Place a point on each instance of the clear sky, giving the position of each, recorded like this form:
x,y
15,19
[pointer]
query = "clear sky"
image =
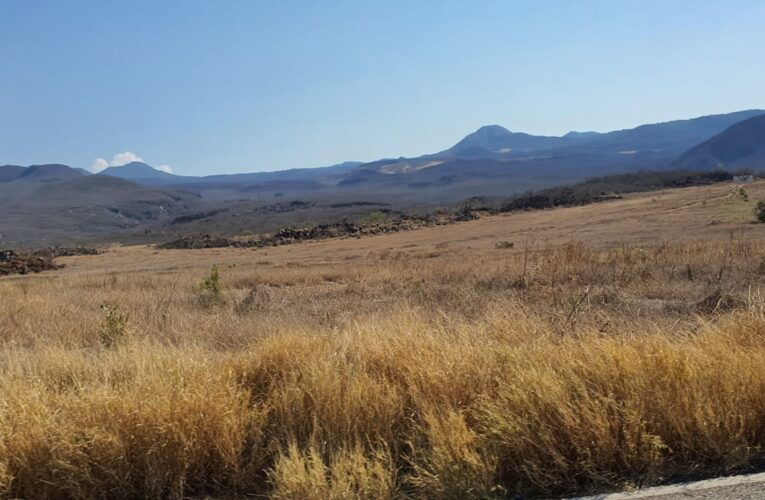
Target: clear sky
x,y
234,86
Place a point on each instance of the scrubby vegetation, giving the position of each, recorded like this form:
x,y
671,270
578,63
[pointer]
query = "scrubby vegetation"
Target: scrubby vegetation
x,y
374,225
600,189
207,291
539,371
12,262
114,326
759,211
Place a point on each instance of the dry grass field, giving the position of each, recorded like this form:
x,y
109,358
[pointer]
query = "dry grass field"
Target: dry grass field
x,y
613,345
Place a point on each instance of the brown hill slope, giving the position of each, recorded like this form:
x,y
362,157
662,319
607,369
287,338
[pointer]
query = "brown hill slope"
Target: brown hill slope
x,y
708,212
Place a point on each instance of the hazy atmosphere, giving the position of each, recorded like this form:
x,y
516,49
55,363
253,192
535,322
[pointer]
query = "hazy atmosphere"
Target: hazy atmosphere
x,y
240,86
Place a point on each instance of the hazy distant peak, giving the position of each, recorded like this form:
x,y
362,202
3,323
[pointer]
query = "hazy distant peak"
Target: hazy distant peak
x,y
136,170
496,139
492,130
135,165
581,135
485,137
49,171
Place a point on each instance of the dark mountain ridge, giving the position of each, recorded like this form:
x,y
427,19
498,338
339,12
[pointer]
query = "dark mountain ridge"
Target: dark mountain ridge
x,y
48,173
489,152
676,135
741,146
10,172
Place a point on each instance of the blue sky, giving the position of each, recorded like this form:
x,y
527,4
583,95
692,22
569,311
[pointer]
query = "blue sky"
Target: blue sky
x,y
235,86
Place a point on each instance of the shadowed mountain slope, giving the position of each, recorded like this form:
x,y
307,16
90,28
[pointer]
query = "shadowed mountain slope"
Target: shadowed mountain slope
x,y
740,146
71,209
10,172
48,173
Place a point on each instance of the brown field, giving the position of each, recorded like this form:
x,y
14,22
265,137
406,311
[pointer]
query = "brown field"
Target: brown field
x,y
614,345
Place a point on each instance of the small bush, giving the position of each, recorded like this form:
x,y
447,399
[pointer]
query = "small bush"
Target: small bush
x,y
759,211
114,326
465,213
376,217
504,244
207,291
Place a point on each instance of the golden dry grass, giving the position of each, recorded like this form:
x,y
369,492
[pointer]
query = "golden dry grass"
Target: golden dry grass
x,y
543,371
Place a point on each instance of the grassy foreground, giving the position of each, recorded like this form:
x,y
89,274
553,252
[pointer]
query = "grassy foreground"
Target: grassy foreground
x,y
543,372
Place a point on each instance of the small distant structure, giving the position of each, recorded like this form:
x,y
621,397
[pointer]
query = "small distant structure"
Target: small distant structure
x,y
743,179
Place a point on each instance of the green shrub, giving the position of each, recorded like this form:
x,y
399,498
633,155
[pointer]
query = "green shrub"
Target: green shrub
x,y
376,217
114,326
208,290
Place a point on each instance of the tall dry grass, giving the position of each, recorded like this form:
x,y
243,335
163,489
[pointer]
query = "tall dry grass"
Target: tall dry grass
x,y
546,372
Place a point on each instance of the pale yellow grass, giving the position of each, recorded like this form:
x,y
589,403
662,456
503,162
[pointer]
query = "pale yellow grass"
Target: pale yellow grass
x,y
551,371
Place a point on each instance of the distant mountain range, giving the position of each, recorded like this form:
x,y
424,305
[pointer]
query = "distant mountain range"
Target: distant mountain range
x,y
487,151
668,138
493,156
492,161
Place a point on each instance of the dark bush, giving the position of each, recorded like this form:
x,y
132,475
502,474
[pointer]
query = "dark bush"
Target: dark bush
x,y
759,211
